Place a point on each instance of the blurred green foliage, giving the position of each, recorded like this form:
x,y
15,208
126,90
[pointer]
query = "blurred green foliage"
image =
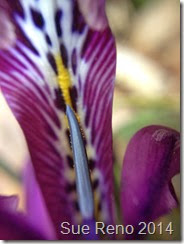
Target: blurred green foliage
x,y
150,116
139,3
9,171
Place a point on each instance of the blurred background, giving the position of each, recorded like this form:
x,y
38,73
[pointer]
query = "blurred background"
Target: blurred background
x,y
147,90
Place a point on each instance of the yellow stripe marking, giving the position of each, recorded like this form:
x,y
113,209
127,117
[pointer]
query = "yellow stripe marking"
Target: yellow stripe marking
x,y
64,80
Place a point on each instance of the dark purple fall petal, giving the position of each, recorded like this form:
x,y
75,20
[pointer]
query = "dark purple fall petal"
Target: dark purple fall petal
x,y
43,32
14,226
151,160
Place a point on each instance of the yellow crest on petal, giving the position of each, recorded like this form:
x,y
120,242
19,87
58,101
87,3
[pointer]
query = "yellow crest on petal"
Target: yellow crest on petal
x,y
64,80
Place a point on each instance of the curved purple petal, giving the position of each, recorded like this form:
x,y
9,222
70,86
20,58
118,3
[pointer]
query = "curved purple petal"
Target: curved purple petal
x,y
57,59
16,227
35,205
151,160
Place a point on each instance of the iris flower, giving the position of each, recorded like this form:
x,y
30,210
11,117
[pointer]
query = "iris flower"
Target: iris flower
x,y
58,57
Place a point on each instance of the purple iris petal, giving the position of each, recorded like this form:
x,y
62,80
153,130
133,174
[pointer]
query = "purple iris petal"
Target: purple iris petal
x,y
44,35
35,205
14,226
58,53
151,160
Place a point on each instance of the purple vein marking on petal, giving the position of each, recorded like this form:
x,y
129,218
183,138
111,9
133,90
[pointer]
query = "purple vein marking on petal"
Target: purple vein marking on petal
x,y
98,71
59,100
78,23
31,92
13,58
17,7
39,113
21,50
103,87
94,58
64,55
11,63
49,146
70,162
26,95
37,18
99,54
74,60
101,104
74,96
7,64
103,132
48,40
92,38
79,83
58,17
52,62
8,56
15,12
23,38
